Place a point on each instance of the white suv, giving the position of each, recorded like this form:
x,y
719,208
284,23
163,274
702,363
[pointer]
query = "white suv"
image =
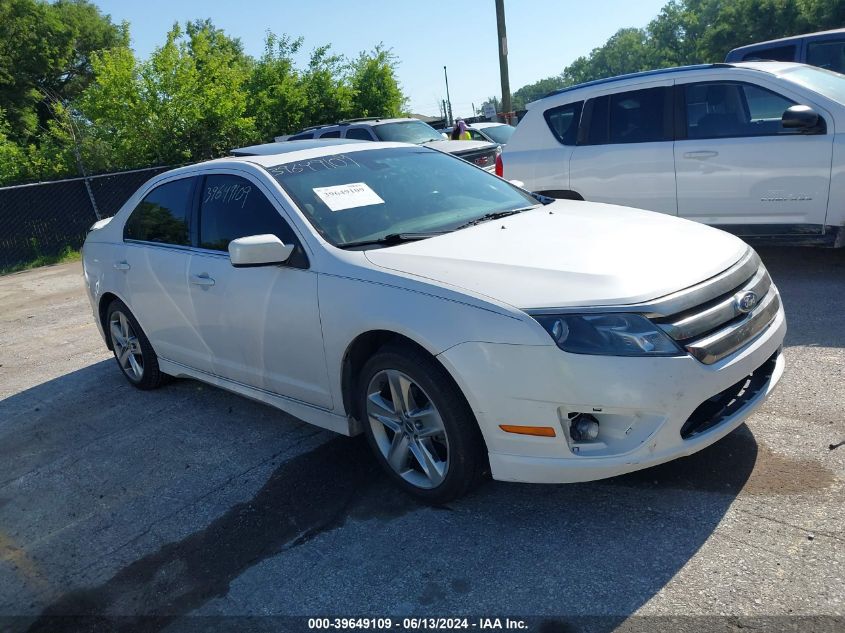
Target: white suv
x,y
753,148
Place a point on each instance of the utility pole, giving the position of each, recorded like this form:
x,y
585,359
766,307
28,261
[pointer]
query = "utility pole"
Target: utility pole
x,y
448,99
503,58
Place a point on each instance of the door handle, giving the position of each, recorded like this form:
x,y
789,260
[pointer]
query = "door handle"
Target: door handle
x,y
122,266
701,155
202,280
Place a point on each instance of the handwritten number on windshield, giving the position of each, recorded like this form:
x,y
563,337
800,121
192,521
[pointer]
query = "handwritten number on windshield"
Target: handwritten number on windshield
x,y
310,166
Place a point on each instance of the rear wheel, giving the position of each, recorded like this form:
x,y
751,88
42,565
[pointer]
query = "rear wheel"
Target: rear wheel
x,y
419,425
132,349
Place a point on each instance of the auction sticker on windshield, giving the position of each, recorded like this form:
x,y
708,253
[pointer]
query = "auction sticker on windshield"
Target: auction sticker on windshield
x,y
349,196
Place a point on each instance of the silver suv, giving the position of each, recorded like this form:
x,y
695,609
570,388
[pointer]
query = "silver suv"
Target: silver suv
x,y
403,130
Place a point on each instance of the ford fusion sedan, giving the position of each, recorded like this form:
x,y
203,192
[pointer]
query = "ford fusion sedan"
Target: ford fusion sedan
x,y
464,327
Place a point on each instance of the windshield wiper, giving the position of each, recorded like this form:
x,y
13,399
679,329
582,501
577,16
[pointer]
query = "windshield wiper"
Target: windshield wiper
x,y
391,239
494,216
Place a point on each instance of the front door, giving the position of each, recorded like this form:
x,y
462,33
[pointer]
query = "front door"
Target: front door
x,y
262,323
738,166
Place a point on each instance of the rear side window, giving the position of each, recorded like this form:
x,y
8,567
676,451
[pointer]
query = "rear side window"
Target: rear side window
x,y
334,134
163,215
233,207
774,54
636,116
829,54
725,109
639,116
359,133
563,122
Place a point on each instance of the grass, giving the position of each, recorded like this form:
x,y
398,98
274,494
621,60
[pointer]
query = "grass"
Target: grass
x,y
68,254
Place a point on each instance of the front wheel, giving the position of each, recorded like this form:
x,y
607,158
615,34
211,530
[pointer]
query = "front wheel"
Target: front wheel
x,y
419,425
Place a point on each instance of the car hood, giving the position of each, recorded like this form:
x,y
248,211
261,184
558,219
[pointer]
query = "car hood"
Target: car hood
x,y
459,147
570,253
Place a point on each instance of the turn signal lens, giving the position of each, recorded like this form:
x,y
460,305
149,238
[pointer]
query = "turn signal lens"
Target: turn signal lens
x,y
542,431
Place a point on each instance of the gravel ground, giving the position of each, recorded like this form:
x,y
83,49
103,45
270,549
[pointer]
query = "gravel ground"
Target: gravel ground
x,y
189,501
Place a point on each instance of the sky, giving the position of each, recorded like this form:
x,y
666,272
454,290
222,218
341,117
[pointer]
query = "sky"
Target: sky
x,y
544,36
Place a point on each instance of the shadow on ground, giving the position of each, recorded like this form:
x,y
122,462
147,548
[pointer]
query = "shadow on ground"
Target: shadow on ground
x,y
324,533
506,548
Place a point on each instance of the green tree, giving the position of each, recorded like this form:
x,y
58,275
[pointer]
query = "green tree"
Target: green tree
x,y
376,90
276,97
45,52
697,31
327,89
187,102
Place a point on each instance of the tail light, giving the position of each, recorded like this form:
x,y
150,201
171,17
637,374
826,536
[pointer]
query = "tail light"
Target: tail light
x,y
500,168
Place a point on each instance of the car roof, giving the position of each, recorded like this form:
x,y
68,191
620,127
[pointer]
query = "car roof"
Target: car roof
x,y
786,40
285,147
299,153
769,67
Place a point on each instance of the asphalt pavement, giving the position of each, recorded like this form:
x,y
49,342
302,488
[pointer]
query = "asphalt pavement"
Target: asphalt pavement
x,y
171,509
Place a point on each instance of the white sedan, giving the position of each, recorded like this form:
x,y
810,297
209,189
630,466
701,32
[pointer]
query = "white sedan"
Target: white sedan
x,y
462,325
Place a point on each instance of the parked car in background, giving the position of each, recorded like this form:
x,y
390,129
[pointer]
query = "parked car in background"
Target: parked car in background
x,y
825,49
403,130
395,290
491,132
757,149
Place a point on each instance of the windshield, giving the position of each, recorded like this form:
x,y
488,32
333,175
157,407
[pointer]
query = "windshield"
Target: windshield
x,y
827,83
499,133
415,132
368,195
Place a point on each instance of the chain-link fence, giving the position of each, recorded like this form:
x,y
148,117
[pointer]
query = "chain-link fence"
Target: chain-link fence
x,y
44,218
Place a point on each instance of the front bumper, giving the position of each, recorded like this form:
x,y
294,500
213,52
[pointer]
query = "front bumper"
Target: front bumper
x,y
641,404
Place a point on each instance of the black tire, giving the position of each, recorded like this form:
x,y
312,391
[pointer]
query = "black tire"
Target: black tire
x,y
467,453
151,376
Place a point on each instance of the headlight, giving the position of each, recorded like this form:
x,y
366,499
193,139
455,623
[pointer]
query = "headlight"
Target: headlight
x,y
616,334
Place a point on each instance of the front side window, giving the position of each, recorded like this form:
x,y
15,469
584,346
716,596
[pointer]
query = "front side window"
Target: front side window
x,y
370,194
827,54
233,207
163,215
774,54
299,137
729,109
332,134
359,133
563,122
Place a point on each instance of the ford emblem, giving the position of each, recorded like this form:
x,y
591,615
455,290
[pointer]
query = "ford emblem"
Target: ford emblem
x,y
745,301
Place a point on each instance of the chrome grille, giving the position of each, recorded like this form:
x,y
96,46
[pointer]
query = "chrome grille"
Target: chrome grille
x,y
709,319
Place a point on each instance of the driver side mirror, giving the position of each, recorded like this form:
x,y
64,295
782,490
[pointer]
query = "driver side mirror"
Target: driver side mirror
x,y
804,119
258,250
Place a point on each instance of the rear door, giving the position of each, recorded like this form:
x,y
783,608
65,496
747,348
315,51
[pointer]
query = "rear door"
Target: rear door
x,y
624,153
157,240
261,324
737,165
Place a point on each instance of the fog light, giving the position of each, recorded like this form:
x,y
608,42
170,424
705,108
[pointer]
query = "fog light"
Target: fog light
x,y
583,428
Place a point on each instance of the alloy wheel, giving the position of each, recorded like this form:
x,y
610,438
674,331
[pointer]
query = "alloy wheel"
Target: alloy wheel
x,y
408,429
127,348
